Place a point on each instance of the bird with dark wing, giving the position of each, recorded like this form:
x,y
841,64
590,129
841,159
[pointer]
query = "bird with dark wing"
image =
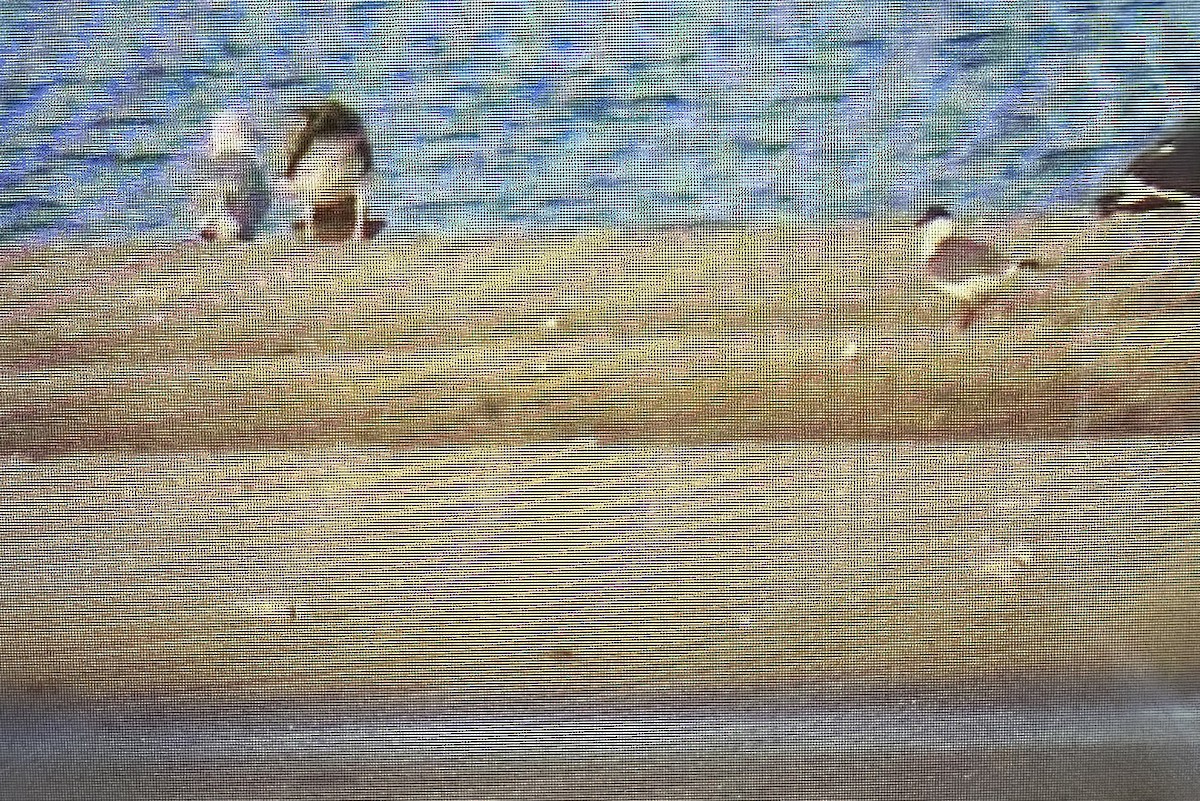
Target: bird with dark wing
x,y
1165,174
329,164
966,269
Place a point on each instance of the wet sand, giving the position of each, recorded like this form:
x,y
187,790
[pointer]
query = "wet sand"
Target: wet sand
x,y
881,751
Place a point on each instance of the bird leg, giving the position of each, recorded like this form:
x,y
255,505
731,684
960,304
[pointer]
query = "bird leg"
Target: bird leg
x,y
967,316
360,215
310,221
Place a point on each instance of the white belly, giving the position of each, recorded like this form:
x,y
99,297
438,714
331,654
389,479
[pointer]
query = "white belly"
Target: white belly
x,y
331,171
968,289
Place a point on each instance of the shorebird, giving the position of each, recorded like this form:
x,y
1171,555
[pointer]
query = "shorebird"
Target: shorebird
x,y
231,194
1165,174
329,162
966,269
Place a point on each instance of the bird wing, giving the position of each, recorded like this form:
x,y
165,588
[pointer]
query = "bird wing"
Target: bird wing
x,y
331,120
252,197
366,156
1172,163
961,259
232,184
298,146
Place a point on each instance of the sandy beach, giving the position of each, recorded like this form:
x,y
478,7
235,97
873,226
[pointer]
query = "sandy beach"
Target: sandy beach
x,y
637,456
612,471
276,441
570,620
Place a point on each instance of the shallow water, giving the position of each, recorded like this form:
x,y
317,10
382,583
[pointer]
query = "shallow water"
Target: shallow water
x,y
1092,752
579,113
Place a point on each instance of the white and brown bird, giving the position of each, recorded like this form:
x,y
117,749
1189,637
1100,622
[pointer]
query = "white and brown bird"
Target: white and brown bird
x,y
1165,174
966,269
230,194
328,170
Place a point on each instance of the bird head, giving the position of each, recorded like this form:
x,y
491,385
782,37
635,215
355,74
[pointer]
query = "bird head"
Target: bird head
x,y
229,133
329,118
933,213
934,225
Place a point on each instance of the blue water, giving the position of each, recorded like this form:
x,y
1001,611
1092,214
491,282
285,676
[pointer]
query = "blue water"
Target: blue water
x,y
577,113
